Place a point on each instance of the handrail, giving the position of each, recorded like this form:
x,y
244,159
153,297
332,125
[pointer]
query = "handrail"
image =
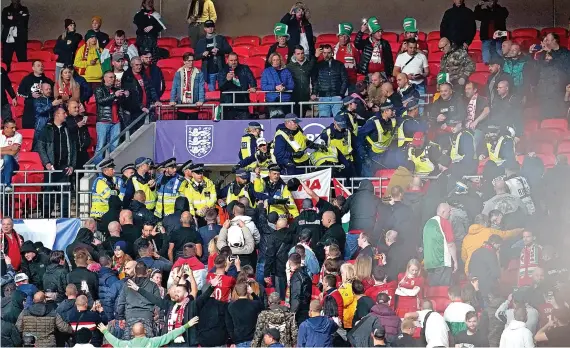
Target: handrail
x,y
176,106
291,104
54,184
244,92
126,132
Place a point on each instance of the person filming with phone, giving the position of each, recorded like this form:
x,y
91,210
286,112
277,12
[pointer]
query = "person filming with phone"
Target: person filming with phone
x,y
493,30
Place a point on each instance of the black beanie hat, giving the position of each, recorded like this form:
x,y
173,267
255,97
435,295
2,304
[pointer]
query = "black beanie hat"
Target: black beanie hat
x,y
68,22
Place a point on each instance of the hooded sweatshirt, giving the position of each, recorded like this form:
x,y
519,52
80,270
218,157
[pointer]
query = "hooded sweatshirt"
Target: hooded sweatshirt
x,y
11,307
316,332
83,239
516,335
364,207
172,221
476,236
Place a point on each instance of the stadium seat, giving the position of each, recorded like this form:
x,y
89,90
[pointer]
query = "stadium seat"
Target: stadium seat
x,y
433,35
563,147
562,32
214,95
526,41
21,66
479,78
481,67
184,42
253,62
242,51
168,73
30,157
530,127
554,123
435,57
476,55
49,44
34,45
268,39
477,35
439,303
532,32
167,42
548,160
545,148
389,36
44,56
49,65
27,139
247,40
174,63
476,45
326,38
17,76
178,52
433,46
436,291
257,71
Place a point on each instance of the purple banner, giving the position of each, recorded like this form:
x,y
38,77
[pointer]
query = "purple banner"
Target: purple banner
x,y
216,143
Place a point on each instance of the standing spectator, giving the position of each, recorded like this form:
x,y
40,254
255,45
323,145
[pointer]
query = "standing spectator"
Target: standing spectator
x,y
516,335
519,299
141,92
277,78
554,74
44,107
331,83
85,280
334,233
317,331
88,318
386,316
30,89
478,111
411,32
110,112
212,49
242,245
414,64
455,62
121,46
346,53
485,264
149,25
15,18
66,46
107,277
55,278
10,142
102,38
188,86
43,323
65,87
88,60
7,89
406,339
33,264
440,254
187,233
275,258
507,112
555,332
363,303
277,318
300,289
242,316
496,75
493,18
364,206
208,232
199,11
409,289
438,333
85,90
281,46
11,242
458,24
530,259
153,72
77,125
374,91
473,335
236,77
521,70
212,331
456,311
376,52
301,68
299,28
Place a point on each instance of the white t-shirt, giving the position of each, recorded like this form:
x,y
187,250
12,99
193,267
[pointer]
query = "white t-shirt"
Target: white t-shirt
x,y
437,332
16,139
415,66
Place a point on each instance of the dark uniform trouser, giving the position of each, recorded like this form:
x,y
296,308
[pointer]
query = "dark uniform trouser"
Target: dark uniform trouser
x,y
8,49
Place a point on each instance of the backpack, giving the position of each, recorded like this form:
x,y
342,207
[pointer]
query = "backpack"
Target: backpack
x,y
235,236
423,330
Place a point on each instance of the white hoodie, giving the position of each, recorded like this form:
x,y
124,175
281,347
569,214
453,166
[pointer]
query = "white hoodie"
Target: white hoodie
x,y
250,225
516,335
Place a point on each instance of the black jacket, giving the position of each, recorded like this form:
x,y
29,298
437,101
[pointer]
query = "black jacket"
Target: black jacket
x,y
484,264
134,103
241,318
27,87
399,220
223,48
81,135
156,78
11,337
46,146
172,222
308,219
211,328
302,75
278,245
301,289
331,79
142,20
496,14
105,97
55,279
366,47
20,18
80,274
246,80
115,205
36,268
265,231
364,207
141,214
335,234
458,25
7,88
12,306
83,239
65,47
294,31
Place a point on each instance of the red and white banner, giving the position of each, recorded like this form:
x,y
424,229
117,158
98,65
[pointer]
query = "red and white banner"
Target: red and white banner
x,y
320,182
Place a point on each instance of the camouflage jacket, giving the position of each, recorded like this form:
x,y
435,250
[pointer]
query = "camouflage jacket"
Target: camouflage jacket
x,y
457,64
279,318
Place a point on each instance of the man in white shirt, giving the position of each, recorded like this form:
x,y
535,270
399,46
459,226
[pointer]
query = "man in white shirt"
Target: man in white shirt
x,y
414,64
10,142
435,327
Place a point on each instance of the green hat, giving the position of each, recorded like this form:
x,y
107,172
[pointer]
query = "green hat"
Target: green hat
x,y
410,25
373,25
280,29
90,33
344,29
442,78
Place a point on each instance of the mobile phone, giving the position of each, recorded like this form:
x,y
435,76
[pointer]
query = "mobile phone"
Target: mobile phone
x,y
502,33
232,258
84,119
538,47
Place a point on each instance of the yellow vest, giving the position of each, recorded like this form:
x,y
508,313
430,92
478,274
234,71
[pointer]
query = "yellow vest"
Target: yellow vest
x,y
353,122
343,145
242,193
319,158
384,140
150,195
101,191
246,151
298,143
206,198
422,163
167,196
283,210
263,165
494,154
455,156
402,139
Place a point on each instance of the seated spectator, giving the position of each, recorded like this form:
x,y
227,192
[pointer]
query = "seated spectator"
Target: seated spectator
x,y
473,335
405,338
280,46
153,72
87,60
236,77
10,142
376,52
455,62
516,334
414,64
317,331
455,312
330,84
448,110
277,78
212,49
66,88
120,46
66,46
497,75
188,86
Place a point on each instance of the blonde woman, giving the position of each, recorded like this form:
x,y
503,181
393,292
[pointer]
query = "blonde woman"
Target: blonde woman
x,y
348,274
88,60
213,251
409,289
66,87
277,78
363,268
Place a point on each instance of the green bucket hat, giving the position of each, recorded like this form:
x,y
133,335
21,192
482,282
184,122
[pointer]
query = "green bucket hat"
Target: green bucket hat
x,y
442,78
280,29
373,25
344,29
410,25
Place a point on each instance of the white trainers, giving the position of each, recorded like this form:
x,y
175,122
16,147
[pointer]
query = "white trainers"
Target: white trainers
x,y
8,189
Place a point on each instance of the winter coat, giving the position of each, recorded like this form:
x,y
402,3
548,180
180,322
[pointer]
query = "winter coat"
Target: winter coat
x,y
246,80
13,306
132,304
65,309
80,274
276,317
388,318
83,239
172,222
294,31
156,79
301,74
364,207
276,256
331,79
105,98
46,146
458,25
308,219
477,235
11,337
44,108
114,292
457,63
107,277
365,45
516,335
223,46
55,279
65,47
316,332
80,135
301,289
399,220
134,102
271,78
36,268
115,206
39,321
141,215
497,15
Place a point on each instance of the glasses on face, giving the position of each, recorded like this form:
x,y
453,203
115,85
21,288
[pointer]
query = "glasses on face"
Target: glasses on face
x,y
441,48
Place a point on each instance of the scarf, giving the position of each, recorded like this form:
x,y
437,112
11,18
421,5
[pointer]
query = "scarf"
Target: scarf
x,y
187,85
113,48
176,318
348,49
529,261
86,49
471,107
376,56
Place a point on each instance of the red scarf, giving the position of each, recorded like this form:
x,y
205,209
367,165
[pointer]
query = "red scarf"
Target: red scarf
x,y
530,260
140,80
175,323
114,109
14,243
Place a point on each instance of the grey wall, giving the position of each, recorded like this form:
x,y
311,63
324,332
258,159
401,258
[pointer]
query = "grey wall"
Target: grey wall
x,y
257,17
141,145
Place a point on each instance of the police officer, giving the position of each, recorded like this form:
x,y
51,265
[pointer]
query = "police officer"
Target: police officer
x,y
340,139
424,154
103,187
308,219
375,137
248,146
201,193
348,112
186,174
241,187
143,181
127,172
410,123
167,188
499,145
290,145
274,189
263,157
463,152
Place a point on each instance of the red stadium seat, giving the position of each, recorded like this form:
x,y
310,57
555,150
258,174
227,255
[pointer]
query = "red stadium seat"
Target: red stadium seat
x,y
247,40
526,41
168,73
545,148
327,38
477,35
268,39
215,95
433,35
479,78
167,42
435,57
178,52
562,32
17,76
555,123
21,66
50,73
242,51
44,56
436,291
30,157
184,42
433,46
532,32
439,303
530,127
174,63
476,45
476,55
253,62
49,44
27,139
49,65
390,36
34,45
481,67
563,147
257,71
548,160
259,51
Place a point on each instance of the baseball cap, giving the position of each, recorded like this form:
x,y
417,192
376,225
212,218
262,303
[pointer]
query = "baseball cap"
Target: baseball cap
x,y
348,99
418,139
292,117
261,141
120,245
20,277
273,332
117,56
209,24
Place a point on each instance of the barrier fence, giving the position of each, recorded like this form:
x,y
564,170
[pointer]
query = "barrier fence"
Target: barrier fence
x,y
37,200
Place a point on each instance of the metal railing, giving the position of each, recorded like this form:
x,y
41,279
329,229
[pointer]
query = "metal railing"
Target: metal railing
x,y
83,194
29,173
290,104
184,106
313,103
352,184
310,169
27,200
248,92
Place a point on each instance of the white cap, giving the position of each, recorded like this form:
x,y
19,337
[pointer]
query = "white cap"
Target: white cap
x,y
20,277
261,141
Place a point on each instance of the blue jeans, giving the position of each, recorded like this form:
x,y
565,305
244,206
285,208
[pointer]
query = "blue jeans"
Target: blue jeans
x,y
329,110
259,268
244,344
105,133
421,88
212,78
351,245
491,47
10,166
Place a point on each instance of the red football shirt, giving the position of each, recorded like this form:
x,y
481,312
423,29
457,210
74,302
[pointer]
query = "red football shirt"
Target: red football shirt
x,y
223,291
